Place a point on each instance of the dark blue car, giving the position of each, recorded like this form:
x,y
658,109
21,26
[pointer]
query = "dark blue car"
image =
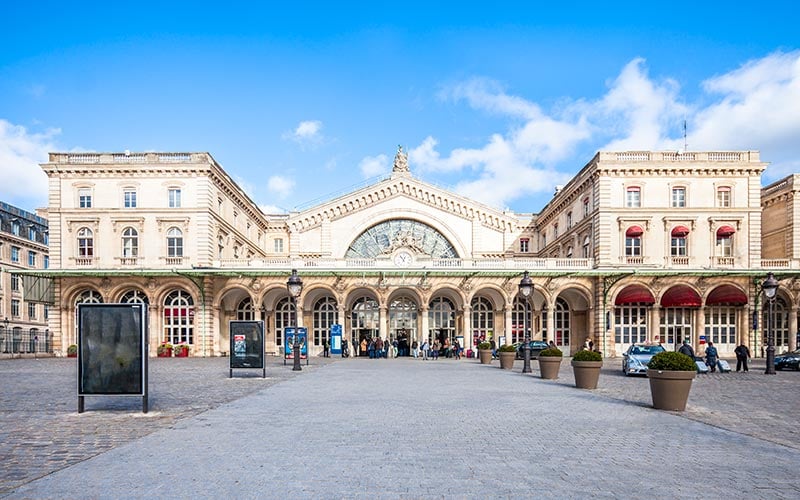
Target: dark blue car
x,y
788,360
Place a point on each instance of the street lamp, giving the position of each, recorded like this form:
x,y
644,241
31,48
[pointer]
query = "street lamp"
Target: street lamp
x,y
8,337
770,286
525,288
295,285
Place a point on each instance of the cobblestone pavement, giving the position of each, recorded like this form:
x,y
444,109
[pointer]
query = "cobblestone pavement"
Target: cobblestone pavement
x,y
394,429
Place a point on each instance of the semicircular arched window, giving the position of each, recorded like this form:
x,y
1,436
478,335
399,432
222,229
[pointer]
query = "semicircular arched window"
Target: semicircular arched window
x,y
384,238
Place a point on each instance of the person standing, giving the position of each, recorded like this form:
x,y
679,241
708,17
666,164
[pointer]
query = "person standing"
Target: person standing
x,y
326,348
711,356
415,349
742,355
686,348
425,349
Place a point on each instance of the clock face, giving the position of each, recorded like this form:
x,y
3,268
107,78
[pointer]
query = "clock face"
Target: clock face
x,y
402,259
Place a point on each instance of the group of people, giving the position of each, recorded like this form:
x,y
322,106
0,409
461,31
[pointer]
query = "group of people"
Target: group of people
x,y
712,355
432,350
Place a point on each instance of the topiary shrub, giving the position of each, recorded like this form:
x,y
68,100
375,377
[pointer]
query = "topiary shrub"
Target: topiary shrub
x,y
507,348
551,352
672,361
72,349
587,356
484,346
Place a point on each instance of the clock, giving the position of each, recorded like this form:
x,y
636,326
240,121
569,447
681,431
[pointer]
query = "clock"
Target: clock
x,y
403,259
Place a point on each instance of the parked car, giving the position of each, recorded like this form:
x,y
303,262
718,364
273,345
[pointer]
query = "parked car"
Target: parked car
x,y
788,360
537,346
634,361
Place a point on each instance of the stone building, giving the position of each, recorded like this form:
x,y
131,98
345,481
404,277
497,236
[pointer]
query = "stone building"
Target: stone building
x,y
638,246
23,246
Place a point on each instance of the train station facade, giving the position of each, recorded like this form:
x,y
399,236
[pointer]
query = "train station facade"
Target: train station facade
x,y
640,246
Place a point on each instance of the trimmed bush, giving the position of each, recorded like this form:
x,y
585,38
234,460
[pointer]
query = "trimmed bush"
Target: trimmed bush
x,y
507,348
587,356
72,349
484,346
672,361
551,352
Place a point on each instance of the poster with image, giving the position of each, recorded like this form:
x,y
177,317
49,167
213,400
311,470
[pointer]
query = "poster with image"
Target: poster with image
x,y
247,344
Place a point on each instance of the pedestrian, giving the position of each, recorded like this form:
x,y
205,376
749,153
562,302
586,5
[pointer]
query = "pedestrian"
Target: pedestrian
x,y
686,348
591,345
742,355
711,356
345,349
436,347
425,349
415,349
326,349
494,348
552,345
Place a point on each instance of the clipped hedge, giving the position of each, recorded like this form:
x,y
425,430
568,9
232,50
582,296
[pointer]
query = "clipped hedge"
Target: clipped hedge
x,y
484,346
551,352
672,361
587,356
507,348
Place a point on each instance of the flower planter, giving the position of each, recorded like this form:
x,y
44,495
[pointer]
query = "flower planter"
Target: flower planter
x,y
73,355
670,389
549,366
485,355
587,373
182,352
507,360
165,353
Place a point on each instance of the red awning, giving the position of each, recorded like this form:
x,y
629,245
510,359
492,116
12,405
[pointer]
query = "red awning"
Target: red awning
x,y
725,231
634,294
680,296
633,232
726,294
680,231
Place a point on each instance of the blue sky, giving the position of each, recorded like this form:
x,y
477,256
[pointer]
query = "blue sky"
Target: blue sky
x,y
498,101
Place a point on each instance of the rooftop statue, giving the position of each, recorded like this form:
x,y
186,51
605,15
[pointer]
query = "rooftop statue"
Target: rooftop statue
x,y
400,161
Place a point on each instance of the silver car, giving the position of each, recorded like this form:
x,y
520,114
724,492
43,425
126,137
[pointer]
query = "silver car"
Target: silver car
x,y
634,361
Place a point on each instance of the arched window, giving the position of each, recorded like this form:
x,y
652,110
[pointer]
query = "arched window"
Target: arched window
x,y
520,318
134,297
85,243
482,319
633,241
586,247
364,319
284,318
325,315
174,242
89,297
382,239
403,316
130,242
245,310
562,323
442,319
179,318
678,247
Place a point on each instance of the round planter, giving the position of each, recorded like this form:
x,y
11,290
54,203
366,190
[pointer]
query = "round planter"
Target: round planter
x,y
485,355
507,360
549,366
164,353
670,389
587,373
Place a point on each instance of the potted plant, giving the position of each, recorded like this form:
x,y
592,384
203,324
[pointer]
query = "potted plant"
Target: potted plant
x,y
72,351
671,374
507,354
181,350
550,362
586,367
485,353
164,350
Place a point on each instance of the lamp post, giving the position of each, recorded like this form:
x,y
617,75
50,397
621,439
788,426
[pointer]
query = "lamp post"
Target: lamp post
x,y
295,285
770,286
7,337
525,289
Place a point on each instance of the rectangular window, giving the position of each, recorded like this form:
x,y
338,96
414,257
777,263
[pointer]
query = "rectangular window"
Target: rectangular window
x,y
31,310
15,308
569,220
724,246
15,228
524,245
32,259
15,282
633,197
678,247
278,245
46,313
678,197
633,246
85,198
724,197
129,197
32,234
14,254
46,262
586,207
174,198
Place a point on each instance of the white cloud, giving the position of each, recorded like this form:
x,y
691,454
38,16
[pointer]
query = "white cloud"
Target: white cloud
x,y
280,186
21,152
756,106
372,166
272,209
307,133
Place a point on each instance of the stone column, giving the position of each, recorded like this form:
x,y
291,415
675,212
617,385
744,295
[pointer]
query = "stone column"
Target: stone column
x,y
424,324
383,321
654,323
507,322
551,323
793,329
467,315
700,329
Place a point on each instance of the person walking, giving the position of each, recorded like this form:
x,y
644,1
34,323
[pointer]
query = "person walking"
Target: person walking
x,y
742,355
326,349
686,348
711,357
425,349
